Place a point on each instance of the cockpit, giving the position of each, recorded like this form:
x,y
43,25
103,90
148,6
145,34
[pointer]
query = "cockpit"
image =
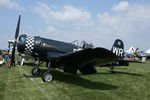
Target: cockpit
x,y
83,44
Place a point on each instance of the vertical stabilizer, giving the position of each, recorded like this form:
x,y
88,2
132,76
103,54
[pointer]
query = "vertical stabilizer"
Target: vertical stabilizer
x,y
118,48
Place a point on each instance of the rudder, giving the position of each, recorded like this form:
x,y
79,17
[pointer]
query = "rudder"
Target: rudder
x,y
118,48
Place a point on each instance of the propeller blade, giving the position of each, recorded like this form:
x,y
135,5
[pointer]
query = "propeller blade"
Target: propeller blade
x,y
132,49
12,63
8,49
137,49
18,27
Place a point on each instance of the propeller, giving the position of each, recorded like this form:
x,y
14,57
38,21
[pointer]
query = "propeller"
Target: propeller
x,y
12,63
135,51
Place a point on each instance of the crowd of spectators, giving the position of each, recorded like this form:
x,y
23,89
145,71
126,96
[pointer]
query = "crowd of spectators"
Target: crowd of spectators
x,y
4,58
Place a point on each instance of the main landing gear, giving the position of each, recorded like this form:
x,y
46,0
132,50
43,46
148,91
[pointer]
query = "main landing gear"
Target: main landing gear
x,y
36,70
47,76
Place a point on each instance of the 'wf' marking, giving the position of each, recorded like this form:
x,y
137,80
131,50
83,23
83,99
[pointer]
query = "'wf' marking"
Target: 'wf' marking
x,y
118,51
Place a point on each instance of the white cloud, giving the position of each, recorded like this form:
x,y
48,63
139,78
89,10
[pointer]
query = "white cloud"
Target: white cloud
x,y
68,14
8,4
51,29
129,22
136,19
109,21
131,25
28,27
53,6
122,6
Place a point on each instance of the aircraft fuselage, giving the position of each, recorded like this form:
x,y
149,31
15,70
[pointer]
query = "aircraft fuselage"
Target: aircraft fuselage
x,y
40,47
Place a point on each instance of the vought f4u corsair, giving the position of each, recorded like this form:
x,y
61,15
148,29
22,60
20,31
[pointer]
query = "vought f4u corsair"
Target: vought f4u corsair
x,y
68,56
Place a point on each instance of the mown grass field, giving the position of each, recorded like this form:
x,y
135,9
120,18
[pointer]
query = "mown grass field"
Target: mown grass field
x,y
128,83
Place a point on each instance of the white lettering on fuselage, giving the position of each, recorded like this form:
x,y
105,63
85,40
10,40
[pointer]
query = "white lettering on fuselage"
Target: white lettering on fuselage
x,y
118,51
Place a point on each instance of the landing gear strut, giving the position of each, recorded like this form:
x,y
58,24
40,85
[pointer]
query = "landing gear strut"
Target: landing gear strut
x,y
36,70
112,69
47,76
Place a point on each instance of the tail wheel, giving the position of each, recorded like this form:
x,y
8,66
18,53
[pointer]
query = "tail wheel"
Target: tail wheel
x,y
112,69
47,77
35,71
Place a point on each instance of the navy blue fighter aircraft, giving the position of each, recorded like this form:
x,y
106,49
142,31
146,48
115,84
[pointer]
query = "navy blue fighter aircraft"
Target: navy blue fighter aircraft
x,y
71,57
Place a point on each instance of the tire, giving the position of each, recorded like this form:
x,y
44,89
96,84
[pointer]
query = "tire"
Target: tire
x,y
35,71
47,77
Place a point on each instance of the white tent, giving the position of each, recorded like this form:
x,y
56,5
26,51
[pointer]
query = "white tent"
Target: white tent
x,y
148,51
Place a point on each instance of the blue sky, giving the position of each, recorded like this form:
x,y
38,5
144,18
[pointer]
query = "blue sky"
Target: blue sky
x,y
97,21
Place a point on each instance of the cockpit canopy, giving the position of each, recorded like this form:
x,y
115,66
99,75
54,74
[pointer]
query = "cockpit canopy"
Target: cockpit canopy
x,y
83,44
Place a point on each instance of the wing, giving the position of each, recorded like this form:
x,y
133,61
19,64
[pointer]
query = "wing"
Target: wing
x,y
80,58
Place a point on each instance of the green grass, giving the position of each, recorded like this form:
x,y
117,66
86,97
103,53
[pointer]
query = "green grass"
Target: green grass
x,y
128,83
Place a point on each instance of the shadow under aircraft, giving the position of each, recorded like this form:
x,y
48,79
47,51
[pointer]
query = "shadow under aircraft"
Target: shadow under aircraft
x,y
67,56
119,72
78,81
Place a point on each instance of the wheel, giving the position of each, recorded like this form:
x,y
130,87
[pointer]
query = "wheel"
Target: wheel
x,y
35,71
47,77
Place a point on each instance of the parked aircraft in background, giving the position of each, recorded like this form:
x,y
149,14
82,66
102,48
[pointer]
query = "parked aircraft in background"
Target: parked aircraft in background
x,y
143,55
135,54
